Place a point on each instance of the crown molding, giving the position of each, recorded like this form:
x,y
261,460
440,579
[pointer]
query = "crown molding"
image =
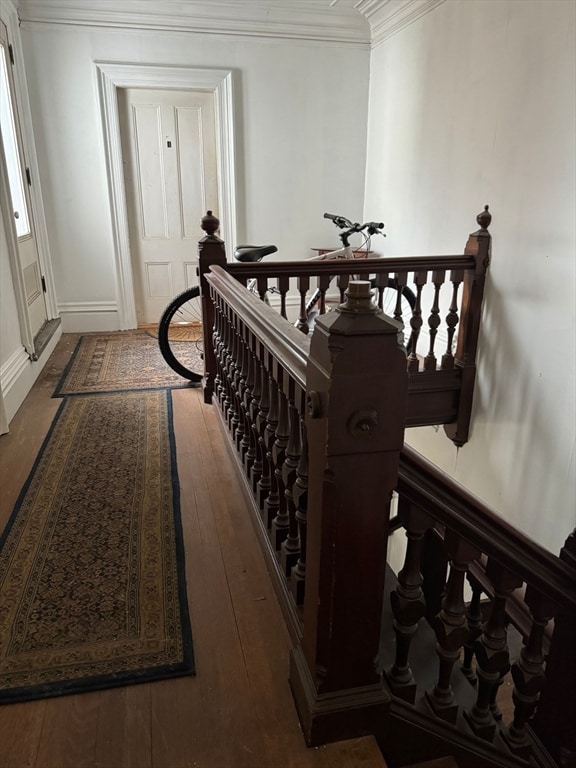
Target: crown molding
x,y
360,22
388,17
294,19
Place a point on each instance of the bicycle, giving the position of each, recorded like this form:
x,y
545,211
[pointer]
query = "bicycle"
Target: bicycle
x,y
180,327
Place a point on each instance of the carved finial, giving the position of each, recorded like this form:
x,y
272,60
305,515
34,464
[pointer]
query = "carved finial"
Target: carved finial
x,y
359,298
210,223
484,218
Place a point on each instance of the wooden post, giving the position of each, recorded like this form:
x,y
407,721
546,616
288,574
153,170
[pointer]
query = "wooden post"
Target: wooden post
x,y
357,386
478,246
556,712
211,250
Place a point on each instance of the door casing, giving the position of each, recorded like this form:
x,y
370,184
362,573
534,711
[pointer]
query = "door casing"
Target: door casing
x,y
9,18
112,76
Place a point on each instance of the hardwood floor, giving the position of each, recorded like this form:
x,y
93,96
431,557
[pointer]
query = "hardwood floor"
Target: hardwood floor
x,y
238,711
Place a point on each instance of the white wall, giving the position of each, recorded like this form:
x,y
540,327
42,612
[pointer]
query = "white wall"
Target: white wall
x,y
475,104
299,151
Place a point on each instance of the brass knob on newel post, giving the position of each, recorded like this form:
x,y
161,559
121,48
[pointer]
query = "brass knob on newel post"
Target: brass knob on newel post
x,y
211,250
357,386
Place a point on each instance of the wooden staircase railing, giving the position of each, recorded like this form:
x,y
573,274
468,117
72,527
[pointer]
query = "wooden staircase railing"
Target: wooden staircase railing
x,y
497,559
441,383
316,425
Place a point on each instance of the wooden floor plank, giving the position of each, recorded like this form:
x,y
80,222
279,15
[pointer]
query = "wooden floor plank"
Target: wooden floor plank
x,y
20,729
123,736
68,738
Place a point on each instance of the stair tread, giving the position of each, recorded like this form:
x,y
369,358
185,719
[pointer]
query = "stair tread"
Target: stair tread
x,y
441,762
362,751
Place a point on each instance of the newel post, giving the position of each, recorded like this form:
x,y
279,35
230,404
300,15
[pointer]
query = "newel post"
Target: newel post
x,y
478,246
211,251
357,386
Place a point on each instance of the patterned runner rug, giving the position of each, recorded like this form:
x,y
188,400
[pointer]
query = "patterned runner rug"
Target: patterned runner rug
x,y
125,360
92,582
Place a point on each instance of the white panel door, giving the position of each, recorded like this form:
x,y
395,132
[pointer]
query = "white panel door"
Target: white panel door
x,y
170,173
18,181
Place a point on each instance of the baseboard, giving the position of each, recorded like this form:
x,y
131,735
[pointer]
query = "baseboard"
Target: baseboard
x,y
19,373
83,317
336,715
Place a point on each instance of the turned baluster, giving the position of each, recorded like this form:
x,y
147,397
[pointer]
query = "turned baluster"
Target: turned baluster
x,y
528,674
400,282
246,393
238,423
217,342
456,277
283,286
300,494
408,605
222,357
303,288
438,277
290,547
262,287
450,626
227,360
416,321
251,405
381,283
342,282
491,651
474,618
234,364
285,522
259,417
323,285
254,457
263,484
435,573
280,519
268,495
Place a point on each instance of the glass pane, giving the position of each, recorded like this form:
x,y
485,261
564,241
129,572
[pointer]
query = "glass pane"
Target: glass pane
x,y
11,152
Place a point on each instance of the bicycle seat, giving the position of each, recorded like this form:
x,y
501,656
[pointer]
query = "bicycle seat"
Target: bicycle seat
x,y
253,252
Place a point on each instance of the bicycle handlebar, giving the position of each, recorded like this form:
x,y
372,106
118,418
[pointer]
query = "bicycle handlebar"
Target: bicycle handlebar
x,y
342,222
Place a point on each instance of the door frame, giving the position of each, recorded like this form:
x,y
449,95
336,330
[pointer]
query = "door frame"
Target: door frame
x,y
9,16
110,77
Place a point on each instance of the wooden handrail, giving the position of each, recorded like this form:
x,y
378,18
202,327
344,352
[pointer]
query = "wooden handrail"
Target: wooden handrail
x,y
342,266
452,505
282,340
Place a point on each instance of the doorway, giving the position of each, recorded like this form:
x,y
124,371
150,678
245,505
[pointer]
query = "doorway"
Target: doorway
x,y
112,78
171,180
27,273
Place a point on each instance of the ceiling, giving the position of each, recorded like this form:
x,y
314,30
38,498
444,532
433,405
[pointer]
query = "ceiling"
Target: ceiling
x,y
343,21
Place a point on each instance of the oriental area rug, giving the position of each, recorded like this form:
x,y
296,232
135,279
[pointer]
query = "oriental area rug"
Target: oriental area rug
x,y
129,360
92,581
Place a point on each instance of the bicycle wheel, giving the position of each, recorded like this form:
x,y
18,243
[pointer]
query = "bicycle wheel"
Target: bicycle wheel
x,y
180,334
403,311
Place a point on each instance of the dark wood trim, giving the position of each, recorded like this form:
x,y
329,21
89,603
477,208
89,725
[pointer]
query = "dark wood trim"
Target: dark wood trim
x,y
336,715
452,505
243,271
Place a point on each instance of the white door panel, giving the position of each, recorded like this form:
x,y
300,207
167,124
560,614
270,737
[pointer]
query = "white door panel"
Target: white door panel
x,y
170,172
15,162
